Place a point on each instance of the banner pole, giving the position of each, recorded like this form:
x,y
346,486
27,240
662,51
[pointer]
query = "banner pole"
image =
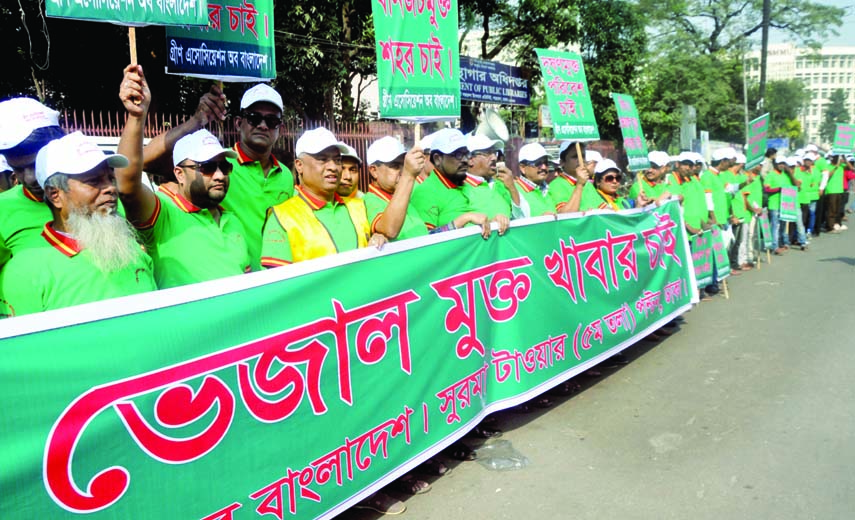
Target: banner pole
x,y
417,134
132,42
579,154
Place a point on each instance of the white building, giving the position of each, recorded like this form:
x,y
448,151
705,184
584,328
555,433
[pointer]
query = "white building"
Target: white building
x,y
822,72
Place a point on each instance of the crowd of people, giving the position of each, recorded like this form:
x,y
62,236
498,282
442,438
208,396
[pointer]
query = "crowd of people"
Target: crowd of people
x,y
80,225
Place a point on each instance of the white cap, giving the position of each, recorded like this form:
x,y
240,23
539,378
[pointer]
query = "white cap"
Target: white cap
x,y
780,159
791,161
593,156
427,141
565,145
604,166
481,142
448,140
72,155
316,141
658,158
685,157
800,151
259,93
200,146
810,156
811,148
740,158
723,153
19,117
352,153
385,150
4,166
532,152
699,159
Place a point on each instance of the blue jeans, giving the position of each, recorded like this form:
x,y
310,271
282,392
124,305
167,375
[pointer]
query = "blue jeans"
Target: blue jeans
x,y
812,218
775,224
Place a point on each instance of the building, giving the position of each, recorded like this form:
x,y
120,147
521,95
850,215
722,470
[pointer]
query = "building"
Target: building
x,y
822,71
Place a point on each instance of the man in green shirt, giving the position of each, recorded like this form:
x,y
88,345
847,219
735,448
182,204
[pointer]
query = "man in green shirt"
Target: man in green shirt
x,y
348,185
189,236
25,127
441,199
534,169
258,181
747,206
393,172
571,191
650,181
831,189
89,251
485,194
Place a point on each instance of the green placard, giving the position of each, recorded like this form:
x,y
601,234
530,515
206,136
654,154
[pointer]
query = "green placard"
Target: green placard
x,y
634,142
567,92
294,393
132,12
844,139
237,44
722,261
418,62
790,211
758,135
702,258
765,235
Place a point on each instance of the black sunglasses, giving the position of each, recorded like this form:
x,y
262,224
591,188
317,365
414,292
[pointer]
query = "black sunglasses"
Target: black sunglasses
x,y
613,178
536,164
255,119
211,167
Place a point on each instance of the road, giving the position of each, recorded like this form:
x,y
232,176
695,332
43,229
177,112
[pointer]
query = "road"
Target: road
x,y
746,412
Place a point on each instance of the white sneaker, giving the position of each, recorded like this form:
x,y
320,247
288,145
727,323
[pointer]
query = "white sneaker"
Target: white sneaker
x,y
837,227
843,227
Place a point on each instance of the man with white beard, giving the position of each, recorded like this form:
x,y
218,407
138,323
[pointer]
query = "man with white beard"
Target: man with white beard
x,y
89,251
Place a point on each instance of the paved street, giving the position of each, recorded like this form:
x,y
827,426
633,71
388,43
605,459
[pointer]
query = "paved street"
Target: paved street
x,y
747,412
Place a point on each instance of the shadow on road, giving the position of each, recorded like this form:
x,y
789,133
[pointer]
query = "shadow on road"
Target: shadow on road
x,y
844,259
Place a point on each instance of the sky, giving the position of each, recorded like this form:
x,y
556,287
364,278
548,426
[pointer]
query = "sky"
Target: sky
x,y
846,30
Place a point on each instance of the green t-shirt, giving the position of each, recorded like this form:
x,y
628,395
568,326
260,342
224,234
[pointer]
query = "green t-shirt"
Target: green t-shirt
x,y
376,201
561,189
809,190
835,180
251,193
775,180
651,190
188,246
22,218
715,183
490,198
695,210
439,201
737,200
58,274
333,215
539,201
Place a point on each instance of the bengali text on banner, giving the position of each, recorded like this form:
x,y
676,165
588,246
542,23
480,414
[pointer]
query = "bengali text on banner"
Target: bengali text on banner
x,y
568,95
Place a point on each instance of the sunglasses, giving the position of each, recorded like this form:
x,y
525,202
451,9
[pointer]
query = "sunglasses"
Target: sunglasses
x,y
255,119
613,178
460,155
211,167
537,164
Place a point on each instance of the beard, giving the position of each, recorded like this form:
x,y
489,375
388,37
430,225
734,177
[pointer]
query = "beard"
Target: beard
x,y
110,239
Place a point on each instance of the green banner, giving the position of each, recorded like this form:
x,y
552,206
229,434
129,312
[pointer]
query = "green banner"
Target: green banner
x,y
702,258
297,391
790,211
568,95
133,12
418,62
765,235
634,142
237,44
844,139
722,262
758,135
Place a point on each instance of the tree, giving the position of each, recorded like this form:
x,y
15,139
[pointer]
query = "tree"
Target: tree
x,y
835,112
785,100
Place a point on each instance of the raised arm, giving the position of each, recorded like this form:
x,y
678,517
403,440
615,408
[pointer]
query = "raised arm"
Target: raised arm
x,y
390,223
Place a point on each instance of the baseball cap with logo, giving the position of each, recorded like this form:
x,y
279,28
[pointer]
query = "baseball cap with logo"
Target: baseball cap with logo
x,y
448,140
316,141
19,117
261,93
73,154
659,158
385,150
532,152
200,146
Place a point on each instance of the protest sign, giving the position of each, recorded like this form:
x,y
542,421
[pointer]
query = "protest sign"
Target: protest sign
x,y
758,135
190,12
634,142
722,262
289,393
790,205
492,82
237,44
423,85
568,96
844,139
765,235
702,258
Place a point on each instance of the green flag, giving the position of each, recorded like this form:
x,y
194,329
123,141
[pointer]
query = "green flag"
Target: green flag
x,y
297,391
567,92
418,62
634,142
844,139
758,135
134,12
